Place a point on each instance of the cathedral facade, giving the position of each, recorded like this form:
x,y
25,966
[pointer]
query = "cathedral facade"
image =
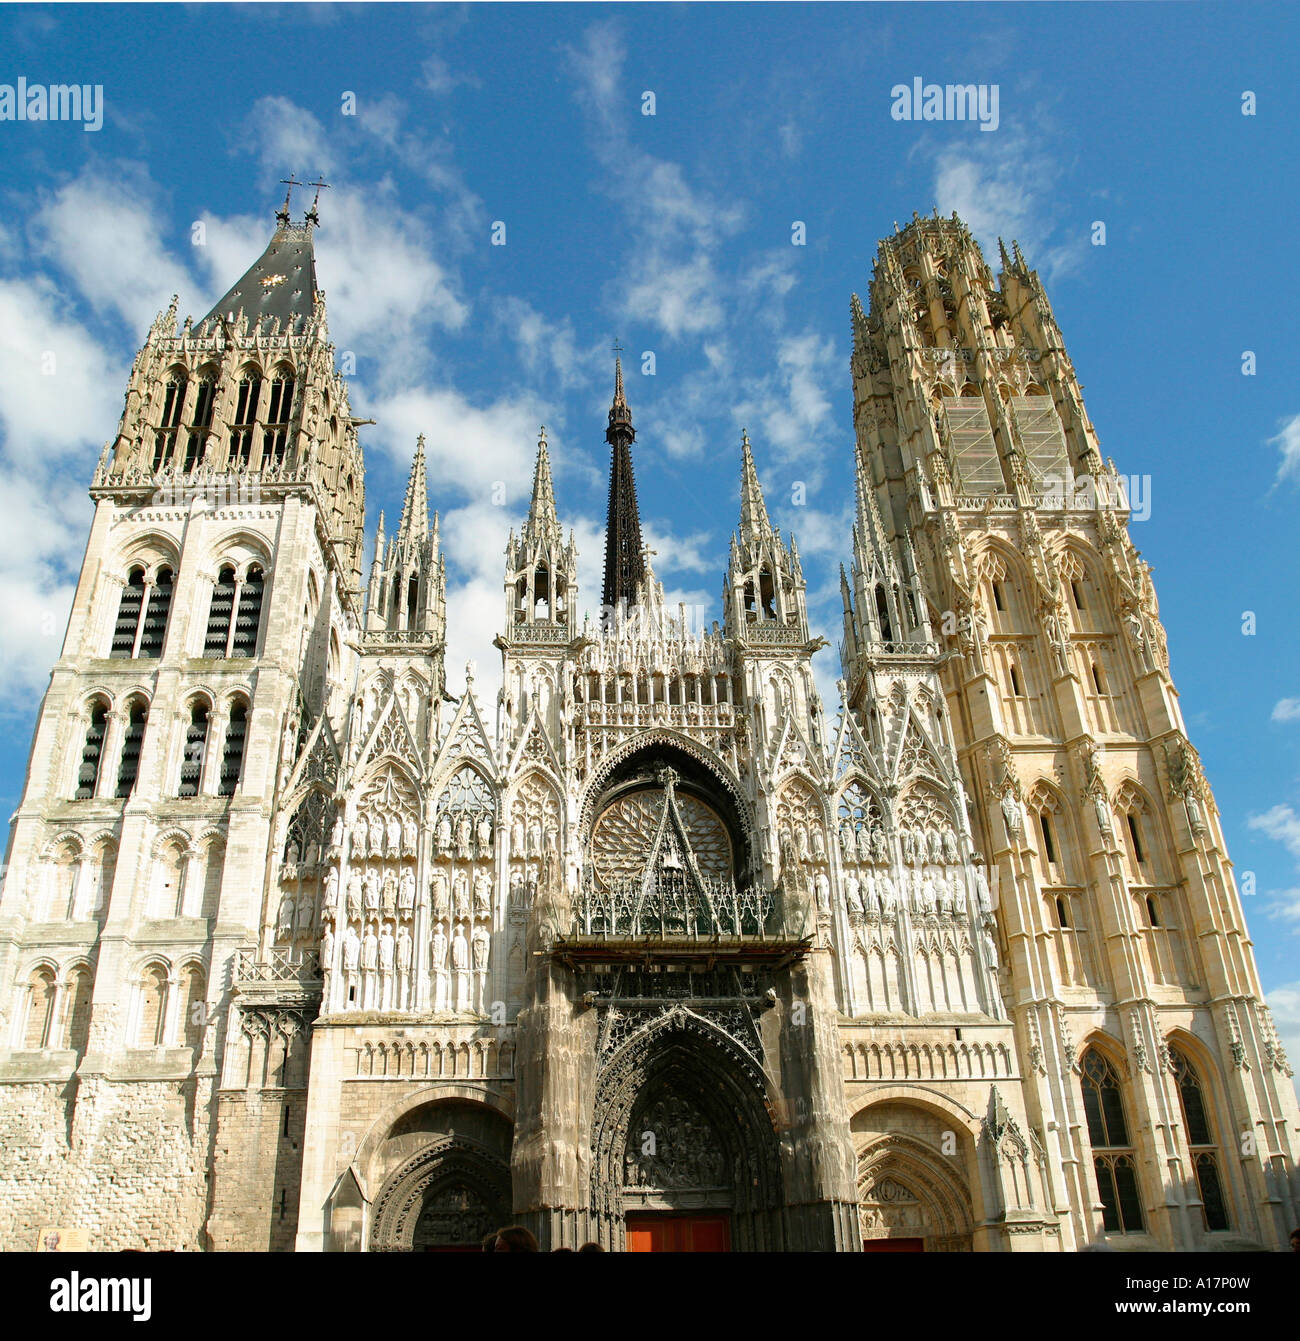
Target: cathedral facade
x,y
299,951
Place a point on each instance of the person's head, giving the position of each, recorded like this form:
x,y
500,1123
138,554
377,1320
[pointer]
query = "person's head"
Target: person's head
x,y
489,1244
515,1239
561,1249
591,1248
1295,1239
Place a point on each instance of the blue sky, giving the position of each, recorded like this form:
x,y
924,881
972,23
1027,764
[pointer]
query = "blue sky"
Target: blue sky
x,y
672,232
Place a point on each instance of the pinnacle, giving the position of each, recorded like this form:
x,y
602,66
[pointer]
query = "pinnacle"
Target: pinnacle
x,y
754,521
414,525
541,512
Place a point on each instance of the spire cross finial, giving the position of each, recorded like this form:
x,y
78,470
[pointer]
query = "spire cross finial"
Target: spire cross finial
x,y
618,348
290,181
321,185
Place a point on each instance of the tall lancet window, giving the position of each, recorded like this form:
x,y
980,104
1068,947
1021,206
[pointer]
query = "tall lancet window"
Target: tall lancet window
x,y
241,429
200,423
164,441
1113,1159
279,413
1200,1139
221,611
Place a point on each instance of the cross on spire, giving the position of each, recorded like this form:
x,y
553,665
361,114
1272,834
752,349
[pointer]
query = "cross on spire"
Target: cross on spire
x,y
321,185
290,181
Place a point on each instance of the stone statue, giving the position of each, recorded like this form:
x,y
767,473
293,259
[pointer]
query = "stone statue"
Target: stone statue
x,y
983,899
950,849
936,845
823,887
410,837
376,836
336,833
863,845
438,948
818,844
370,892
291,853
535,839
482,894
354,894
332,888
516,887
284,922
386,947
879,845
444,834
484,835
327,949
359,837
1011,813
394,828
460,895
853,893
406,892
351,949
389,894
404,950
370,949
438,884
464,835
306,914
480,946
517,838
459,948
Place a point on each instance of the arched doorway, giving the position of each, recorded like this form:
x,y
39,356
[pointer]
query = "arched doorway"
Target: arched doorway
x,y
446,1198
685,1156
911,1199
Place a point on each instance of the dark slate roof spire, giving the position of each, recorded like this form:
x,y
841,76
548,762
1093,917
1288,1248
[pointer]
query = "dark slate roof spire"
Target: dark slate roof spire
x,y
624,549
282,281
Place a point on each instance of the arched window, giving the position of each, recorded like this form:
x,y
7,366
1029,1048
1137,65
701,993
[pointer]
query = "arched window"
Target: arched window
x,y
164,442
200,423
168,890
1113,1159
128,768
882,614
193,1006
40,1009
1049,837
63,875
97,880
92,751
279,414
221,610
128,615
241,429
153,1007
196,741
1133,822
248,618
232,753
76,1029
154,627
1200,1140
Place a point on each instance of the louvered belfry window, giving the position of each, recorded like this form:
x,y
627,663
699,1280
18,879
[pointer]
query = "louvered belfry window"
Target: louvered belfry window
x,y
196,738
249,614
157,612
128,615
232,756
92,752
220,614
129,768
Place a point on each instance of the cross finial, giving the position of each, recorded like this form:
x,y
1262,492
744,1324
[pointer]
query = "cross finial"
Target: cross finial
x,y
618,348
290,181
321,185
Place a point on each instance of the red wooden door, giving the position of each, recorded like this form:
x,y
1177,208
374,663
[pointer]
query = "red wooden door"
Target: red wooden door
x,y
678,1234
893,1245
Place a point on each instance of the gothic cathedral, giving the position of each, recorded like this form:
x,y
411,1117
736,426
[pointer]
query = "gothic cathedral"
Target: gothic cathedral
x,y
299,951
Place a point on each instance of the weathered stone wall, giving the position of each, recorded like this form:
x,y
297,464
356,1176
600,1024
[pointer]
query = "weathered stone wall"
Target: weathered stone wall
x,y
257,1170
125,1161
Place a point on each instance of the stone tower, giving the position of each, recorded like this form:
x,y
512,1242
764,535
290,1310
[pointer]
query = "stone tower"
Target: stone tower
x,y
994,554
203,653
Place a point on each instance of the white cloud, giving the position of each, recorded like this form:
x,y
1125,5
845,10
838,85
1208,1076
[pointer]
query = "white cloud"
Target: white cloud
x,y
1287,441
1287,710
281,132
1282,824
103,233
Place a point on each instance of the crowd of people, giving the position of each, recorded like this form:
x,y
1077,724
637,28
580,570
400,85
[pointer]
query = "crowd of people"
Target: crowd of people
x,y
517,1239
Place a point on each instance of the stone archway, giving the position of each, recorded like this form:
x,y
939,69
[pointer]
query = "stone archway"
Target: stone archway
x,y
908,1193
681,1126
448,1195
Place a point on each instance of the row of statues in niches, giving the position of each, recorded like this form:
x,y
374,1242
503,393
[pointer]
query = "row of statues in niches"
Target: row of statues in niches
x,y
948,891
866,845
376,965
463,836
